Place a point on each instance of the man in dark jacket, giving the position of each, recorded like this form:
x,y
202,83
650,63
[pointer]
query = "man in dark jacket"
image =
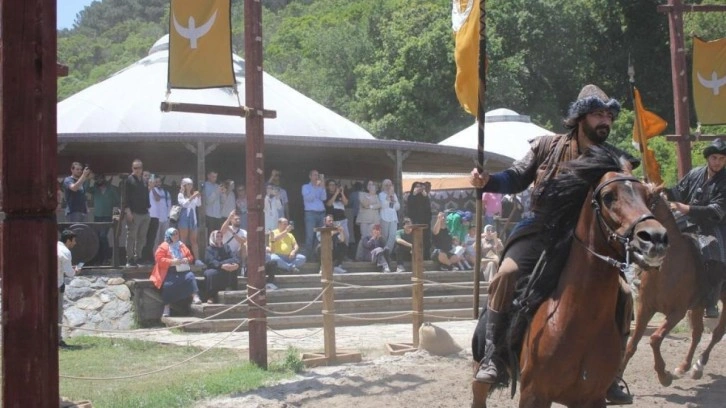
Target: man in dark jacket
x,y
701,197
589,121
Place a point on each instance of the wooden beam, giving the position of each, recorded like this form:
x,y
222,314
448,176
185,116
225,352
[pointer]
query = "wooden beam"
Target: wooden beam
x,y
690,8
191,148
242,111
212,147
61,70
28,235
694,137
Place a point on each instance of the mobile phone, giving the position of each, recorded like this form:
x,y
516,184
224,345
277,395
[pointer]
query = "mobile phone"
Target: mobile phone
x,y
80,265
292,224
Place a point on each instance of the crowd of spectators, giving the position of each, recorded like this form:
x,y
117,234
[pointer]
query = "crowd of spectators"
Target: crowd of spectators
x,y
365,218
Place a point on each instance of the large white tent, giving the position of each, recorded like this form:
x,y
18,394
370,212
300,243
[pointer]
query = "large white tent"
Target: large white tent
x,y
506,132
128,103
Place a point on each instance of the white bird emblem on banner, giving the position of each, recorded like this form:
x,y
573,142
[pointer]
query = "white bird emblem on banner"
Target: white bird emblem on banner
x,y
192,32
715,83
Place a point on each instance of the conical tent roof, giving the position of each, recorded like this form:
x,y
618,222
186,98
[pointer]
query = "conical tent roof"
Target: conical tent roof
x,y
128,102
506,132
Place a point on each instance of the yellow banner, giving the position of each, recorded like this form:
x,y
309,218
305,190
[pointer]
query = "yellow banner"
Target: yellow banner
x,y
465,20
709,80
646,126
200,44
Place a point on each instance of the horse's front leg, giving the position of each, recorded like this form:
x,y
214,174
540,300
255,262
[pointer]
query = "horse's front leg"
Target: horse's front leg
x,y
656,340
479,390
695,316
641,323
717,335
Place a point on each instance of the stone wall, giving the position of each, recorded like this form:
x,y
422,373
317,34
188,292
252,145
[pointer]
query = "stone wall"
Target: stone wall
x,y
97,302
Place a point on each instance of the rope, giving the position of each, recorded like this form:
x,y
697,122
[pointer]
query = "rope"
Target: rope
x,y
158,329
294,337
292,311
350,317
126,377
445,317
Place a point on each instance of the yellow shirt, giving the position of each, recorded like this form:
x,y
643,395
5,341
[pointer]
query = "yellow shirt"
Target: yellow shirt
x,y
285,244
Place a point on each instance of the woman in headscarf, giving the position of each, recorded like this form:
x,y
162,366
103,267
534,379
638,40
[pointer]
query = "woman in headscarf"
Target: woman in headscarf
x,y
223,265
172,273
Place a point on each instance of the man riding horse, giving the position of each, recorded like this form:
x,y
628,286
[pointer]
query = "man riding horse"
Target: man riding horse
x,y
701,197
589,121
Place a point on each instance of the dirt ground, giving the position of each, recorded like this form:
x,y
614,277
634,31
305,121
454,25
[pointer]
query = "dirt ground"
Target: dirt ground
x,y
420,380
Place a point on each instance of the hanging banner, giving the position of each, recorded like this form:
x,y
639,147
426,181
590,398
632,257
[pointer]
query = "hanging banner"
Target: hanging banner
x,y
200,44
709,81
465,23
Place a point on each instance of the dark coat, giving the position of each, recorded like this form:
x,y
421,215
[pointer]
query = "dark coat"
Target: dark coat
x,y
215,256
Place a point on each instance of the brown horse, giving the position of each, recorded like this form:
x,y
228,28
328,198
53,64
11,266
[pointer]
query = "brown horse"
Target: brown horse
x,y
680,285
571,351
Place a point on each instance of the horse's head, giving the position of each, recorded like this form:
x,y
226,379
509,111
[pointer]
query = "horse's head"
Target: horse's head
x,y
620,203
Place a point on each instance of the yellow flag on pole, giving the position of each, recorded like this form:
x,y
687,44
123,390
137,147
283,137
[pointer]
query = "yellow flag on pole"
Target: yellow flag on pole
x,y
465,23
709,80
646,126
200,44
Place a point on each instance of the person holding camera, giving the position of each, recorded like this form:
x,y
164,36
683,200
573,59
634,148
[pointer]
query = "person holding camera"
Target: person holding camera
x,y
284,248
389,213
335,203
75,187
189,200
314,203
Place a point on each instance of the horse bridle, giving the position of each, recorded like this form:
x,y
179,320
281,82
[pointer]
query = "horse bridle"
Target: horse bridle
x,y
611,234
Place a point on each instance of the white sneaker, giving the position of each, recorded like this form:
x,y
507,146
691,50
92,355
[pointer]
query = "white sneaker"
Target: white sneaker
x,y
339,270
400,268
166,312
386,269
270,286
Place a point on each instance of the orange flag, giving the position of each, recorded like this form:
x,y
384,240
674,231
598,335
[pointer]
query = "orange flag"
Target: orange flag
x,y
646,126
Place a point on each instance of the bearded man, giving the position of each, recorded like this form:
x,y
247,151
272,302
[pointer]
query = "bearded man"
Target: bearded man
x,y
589,121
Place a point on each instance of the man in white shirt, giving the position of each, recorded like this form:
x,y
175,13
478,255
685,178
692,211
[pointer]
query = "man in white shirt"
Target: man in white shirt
x,y
65,268
234,236
160,200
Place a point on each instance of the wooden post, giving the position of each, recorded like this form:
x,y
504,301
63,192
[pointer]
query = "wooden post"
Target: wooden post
x,y
679,75
417,304
28,236
417,278
330,355
201,179
480,120
326,266
255,166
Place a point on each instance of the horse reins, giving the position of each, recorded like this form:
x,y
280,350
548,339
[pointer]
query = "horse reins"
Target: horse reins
x,y
612,235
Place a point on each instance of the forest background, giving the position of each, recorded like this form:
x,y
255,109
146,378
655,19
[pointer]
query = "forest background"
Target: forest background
x,y
388,64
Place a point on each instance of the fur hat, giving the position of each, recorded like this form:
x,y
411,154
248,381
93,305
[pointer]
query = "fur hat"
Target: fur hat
x,y
716,147
590,99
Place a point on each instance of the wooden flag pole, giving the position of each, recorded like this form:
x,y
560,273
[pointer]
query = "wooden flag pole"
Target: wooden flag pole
x,y
480,148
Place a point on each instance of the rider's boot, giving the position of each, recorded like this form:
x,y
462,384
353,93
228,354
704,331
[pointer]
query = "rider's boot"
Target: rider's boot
x,y
615,395
487,372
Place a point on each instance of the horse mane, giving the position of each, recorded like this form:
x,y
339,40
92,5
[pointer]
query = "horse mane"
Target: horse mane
x,y
560,200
